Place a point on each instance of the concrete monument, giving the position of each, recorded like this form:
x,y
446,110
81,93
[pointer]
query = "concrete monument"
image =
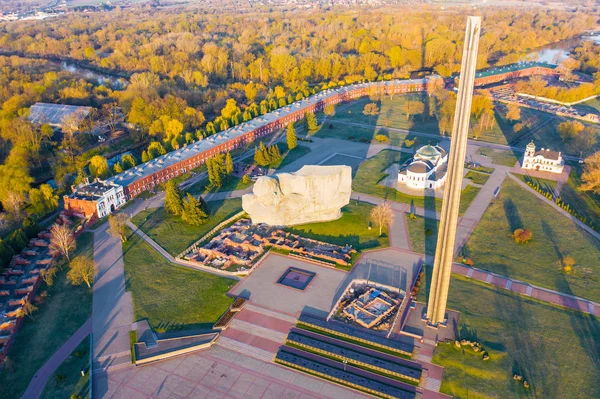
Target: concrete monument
x,y
444,254
312,194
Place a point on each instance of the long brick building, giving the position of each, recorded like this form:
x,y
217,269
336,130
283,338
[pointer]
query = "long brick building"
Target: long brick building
x,y
148,175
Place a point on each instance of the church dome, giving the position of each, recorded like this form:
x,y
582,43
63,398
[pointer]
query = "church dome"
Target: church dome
x,y
429,152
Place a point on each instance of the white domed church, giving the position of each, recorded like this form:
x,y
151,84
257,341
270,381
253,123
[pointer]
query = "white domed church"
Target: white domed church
x,y
427,170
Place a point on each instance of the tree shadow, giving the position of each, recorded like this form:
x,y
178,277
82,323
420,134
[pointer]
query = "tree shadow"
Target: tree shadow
x,y
431,235
585,326
512,215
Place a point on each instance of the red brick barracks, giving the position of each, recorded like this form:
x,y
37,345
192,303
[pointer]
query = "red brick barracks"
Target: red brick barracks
x,y
146,176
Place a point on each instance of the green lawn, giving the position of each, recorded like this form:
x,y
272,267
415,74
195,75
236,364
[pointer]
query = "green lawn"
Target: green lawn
x,y
352,228
231,184
422,233
62,312
554,236
502,130
392,115
289,156
67,379
585,203
548,185
372,171
589,106
477,178
500,157
175,235
556,350
172,297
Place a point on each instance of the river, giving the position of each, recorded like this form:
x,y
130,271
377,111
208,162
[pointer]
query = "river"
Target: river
x,y
555,53
114,81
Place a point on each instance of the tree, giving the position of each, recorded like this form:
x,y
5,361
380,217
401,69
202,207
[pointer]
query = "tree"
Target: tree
x,y
537,86
192,211
43,199
522,236
127,161
99,167
228,164
382,214
292,140
116,226
82,270
329,110
48,275
111,115
173,204
590,178
62,240
569,129
413,108
246,179
260,155
514,112
27,309
370,110
117,168
311,121
567,263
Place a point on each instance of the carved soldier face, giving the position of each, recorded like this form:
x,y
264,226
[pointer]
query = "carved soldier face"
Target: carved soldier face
x,y
267,191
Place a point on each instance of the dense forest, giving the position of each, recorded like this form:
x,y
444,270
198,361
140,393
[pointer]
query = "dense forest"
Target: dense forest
x,y
190,73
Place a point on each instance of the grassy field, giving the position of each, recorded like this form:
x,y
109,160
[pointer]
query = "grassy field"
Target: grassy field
x,y
556,350
372,171
539,261
175,235
65,308
477,178
589,106
422,233
352,228
499,157
548,137
172,297
67,379
393,115
549,185
231,184
585,203
502,130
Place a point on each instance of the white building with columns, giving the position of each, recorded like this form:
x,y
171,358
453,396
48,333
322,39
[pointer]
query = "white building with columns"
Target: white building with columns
x,y
427,170
544,160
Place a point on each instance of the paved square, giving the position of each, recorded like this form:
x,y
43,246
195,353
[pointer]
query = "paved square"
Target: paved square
x,y
215,373
296,278
262,287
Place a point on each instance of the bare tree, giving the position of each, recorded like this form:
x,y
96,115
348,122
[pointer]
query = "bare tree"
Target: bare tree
x,y
116,226
111,115
62,241
382,214
82,270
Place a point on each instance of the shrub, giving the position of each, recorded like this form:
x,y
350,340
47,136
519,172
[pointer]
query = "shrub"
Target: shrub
x,y
522,236
380,138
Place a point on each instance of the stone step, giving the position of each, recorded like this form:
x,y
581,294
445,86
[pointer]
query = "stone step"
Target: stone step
x,y
271,313
259,331
431,384
116,363
246,349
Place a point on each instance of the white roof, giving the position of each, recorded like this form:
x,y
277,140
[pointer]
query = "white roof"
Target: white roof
x,y
174,157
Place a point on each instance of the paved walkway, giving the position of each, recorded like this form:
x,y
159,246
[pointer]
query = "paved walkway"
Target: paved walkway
x,y
39,380
112,307
523,288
